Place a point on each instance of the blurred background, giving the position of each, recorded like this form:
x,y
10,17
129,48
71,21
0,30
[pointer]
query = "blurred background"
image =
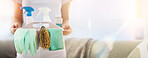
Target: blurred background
x,y
93,18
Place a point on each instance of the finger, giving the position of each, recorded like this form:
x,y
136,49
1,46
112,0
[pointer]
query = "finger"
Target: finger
x,y
13,30
69,29
67,32
14,26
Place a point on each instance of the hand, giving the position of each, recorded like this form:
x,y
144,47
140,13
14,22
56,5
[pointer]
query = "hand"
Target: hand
x,y
14,27
67,29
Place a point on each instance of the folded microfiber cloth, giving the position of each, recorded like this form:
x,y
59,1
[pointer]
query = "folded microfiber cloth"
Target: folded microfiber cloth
x,y
24,40
56,36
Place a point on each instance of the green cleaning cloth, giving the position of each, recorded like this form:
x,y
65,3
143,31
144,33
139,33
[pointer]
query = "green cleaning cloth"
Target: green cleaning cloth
x,y
56,36
25,39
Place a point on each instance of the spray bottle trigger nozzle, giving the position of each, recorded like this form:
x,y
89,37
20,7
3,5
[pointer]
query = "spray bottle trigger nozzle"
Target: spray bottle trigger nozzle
x,y
28,10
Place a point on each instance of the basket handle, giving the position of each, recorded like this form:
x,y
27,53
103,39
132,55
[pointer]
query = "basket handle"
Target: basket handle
x,y
51,25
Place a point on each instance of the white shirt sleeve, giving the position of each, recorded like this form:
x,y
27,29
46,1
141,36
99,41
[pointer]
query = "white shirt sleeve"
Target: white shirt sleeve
x,y
65,1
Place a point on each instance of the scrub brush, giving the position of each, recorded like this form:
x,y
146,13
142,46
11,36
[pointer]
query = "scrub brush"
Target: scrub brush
x,y
44,38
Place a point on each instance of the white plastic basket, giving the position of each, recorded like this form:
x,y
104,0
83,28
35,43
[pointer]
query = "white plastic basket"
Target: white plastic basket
x,y
43,53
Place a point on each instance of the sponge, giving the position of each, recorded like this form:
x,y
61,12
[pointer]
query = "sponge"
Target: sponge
x,y
44,37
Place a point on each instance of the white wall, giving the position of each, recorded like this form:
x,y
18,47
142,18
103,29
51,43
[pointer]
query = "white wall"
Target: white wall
x,y
6,12
106,16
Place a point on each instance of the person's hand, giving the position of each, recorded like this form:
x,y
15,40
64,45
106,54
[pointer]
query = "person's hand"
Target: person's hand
x,y
15,26
67,28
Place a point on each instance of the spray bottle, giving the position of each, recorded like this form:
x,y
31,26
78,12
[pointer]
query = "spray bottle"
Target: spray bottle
x,y
45,11
59,21
28,11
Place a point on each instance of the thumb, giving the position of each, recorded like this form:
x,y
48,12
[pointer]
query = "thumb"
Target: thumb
x,y
13,28
16,25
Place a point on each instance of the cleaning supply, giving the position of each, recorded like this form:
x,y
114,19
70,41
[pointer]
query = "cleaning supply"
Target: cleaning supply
x,y
56,36
59,21
31,41
44,38
19,39
24,40
45,11
51,38
28,11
